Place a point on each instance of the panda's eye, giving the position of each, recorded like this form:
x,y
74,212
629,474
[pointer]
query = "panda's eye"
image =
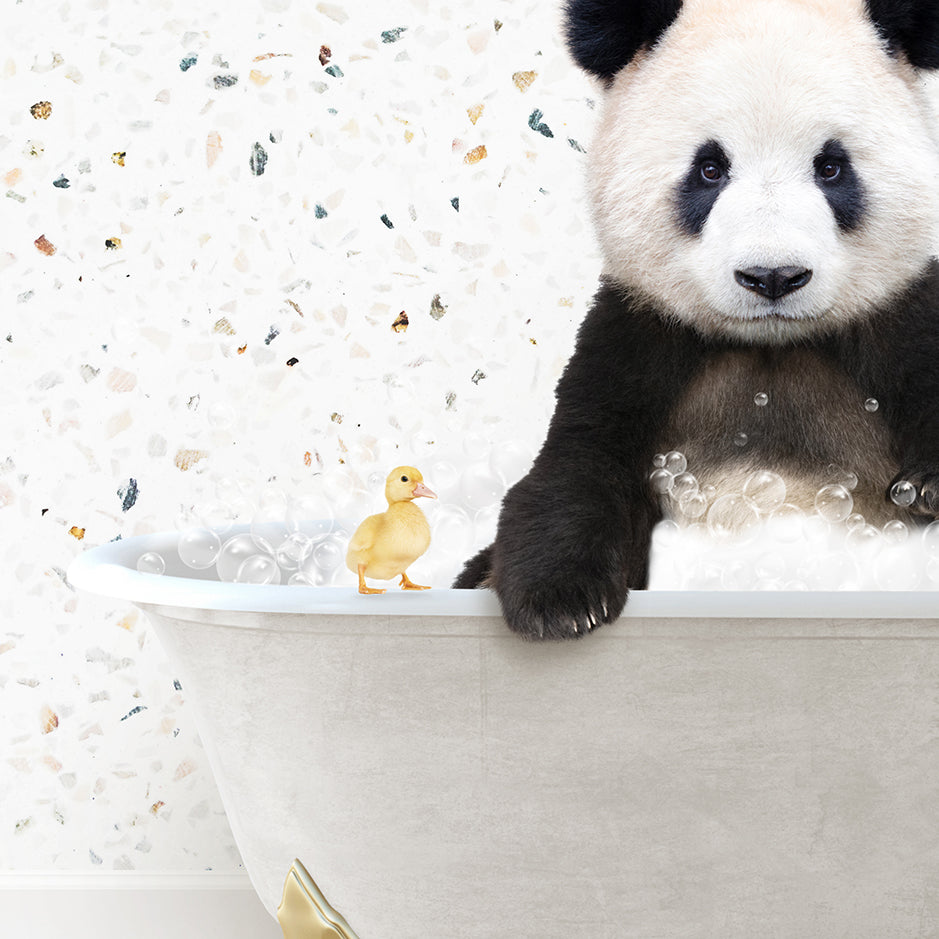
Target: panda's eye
x,y
711,172
829,171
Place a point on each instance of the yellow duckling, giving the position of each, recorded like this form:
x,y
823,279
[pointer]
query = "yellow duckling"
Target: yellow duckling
x,y
385,545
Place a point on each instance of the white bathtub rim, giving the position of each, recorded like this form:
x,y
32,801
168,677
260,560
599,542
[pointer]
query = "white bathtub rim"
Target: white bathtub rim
x,y
110,570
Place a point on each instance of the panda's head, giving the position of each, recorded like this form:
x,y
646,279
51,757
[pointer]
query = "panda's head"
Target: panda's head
x,y
763,169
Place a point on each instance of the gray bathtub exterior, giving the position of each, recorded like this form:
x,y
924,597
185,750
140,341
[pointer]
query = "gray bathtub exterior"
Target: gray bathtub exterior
x,y
761,766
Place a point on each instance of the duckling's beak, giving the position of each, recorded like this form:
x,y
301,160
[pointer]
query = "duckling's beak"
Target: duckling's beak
x,y
421,490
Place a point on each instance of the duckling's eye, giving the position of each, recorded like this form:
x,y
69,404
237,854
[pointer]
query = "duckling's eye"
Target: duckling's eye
x,y
404,479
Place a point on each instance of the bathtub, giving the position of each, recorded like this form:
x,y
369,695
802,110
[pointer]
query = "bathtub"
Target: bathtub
x,y
712,764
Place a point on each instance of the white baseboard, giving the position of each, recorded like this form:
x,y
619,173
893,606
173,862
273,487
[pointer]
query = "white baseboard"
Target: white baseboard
x,y
117,904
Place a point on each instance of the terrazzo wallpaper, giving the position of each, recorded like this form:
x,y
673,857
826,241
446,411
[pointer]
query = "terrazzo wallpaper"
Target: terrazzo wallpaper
x,y
283,244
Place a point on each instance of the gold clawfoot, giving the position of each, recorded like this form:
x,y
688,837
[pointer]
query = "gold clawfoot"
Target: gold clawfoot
x,y
304,913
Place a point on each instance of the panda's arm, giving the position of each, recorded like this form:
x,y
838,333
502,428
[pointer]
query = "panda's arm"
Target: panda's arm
x,y
895,359
574,534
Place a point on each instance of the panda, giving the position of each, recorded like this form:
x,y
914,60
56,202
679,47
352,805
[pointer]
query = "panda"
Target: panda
x,y
765,188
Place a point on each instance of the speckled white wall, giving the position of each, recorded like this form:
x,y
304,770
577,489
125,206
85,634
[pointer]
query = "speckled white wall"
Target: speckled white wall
x,y
212,216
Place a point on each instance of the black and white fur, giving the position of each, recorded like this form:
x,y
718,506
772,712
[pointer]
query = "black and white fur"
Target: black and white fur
x,y
766,186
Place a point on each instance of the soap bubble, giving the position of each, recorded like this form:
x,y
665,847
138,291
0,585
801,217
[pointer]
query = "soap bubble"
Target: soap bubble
x,y
683,484
269,526
834,503
741,439
871,404
932,570
855,520
300,579
445,479
693,504
199,548
865,539
310,513
328,555
658,461
485,523
273,499
786,522
737,574
234,552
258,569
186,518
766,491
761,399
895,532
293,551
931,539
151,563
770,566
676,462
665,533
661,480
732,517
833,570
839,476
480,487
903,493
452,532
218,516
510,461
893,570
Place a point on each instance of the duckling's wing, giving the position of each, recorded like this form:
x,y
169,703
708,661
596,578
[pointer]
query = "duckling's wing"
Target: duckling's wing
x,y
362,541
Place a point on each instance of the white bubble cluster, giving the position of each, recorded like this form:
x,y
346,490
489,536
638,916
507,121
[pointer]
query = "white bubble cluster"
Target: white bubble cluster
x,y
301,539
755,540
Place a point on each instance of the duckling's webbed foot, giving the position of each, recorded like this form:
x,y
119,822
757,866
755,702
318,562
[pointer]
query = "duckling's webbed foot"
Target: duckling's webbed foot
x,y
407,584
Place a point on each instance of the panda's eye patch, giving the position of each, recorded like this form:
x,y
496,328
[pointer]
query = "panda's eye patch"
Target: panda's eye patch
x,y
836,177
704,181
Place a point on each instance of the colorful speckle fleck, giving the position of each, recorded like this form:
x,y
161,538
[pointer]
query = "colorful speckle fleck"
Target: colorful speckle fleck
x,y
224,81
319,211
48,720
400,325
393,35
325,55
45,246
523,80
535,123
437,307
478,376
291,362
41,111
61,183
128,495
387,222
476,154
119,157
187,62
258,160
335,71
133,711
113,244
76,532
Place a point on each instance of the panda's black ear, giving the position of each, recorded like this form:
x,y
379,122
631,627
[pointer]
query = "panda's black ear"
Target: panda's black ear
x,y
603,35
910,27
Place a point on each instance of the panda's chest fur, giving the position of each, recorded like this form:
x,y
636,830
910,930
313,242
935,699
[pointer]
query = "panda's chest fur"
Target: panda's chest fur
x,y
791,411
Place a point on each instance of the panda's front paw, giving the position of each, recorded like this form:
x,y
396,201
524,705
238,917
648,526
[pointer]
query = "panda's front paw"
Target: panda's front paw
x,y
925,481
564,607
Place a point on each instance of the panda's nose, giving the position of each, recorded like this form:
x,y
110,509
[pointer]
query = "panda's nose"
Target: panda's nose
x,y
775,282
